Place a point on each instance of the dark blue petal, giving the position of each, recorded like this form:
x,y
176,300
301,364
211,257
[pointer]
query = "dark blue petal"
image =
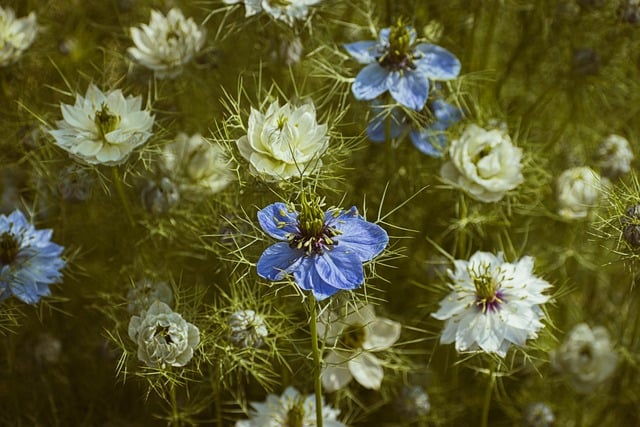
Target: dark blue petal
x,y
370,82
409,88
277,221
278,260
340,267
365,239
364,52
377,127
446,113
429,141
437,63
307,278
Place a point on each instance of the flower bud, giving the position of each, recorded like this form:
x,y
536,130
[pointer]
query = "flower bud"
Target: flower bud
x,y
631,226
159,197
75,184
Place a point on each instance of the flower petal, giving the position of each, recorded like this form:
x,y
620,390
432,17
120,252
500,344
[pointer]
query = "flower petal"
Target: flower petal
x,y
438,63
446,113
278,260
370,82
366,369
364,52
428,141
363,238
278,221
409,88
340,267
377,127
381,334
307,278
335,374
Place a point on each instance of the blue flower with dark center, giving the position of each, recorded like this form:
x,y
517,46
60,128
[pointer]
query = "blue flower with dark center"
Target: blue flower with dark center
x,y
323,250
29,261
396,63
430,139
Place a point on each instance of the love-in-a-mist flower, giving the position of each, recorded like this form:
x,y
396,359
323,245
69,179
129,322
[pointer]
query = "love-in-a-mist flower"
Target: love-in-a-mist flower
x,y
430,139
195,164
483,163
353,338
288,11
578,190
247,329
103,128
163,337
251,7
16,35
615,156
493,304
398,64
167,43
324,251
586,357
284,142
291,409
29,261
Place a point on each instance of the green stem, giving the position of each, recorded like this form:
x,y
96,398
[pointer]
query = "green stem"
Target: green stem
x,y
175,416
120,189
317,361
487,396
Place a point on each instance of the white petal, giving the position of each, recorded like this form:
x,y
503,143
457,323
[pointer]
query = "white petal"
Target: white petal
x,y
367,370
381,334
336,373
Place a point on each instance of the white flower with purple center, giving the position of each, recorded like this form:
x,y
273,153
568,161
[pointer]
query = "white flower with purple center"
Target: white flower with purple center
x,y
324,251
398,64
493,304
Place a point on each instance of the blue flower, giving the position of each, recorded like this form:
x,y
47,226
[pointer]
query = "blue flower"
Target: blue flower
x,y
29,261
395,63
430,139
324,251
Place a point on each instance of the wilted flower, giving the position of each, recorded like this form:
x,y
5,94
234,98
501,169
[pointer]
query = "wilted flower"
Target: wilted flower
x,y
395,63
103,128
615,156
16,35
289,410
631,226
163,337
323,250
493,304
145,292
29,261
413,402
538,415
75,183
353,337
285,142
167,43
247,329
578,190
586,357
484,163
159,196
197,164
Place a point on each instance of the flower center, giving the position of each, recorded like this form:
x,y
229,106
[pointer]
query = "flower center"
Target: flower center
x,y
282,121
279,3
9,248
314,234
105,121
295,416
586,353
488,295
398,55
163,331
353,336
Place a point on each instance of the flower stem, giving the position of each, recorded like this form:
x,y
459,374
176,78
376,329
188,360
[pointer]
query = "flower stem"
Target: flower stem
x,y
317,361
120,189
487,396
175,416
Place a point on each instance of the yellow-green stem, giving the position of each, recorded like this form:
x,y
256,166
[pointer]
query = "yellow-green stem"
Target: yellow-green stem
x,y
317,359
117,181
487,396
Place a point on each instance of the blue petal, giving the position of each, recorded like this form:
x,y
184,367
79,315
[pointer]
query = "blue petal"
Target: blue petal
x,y
308,279
383,36
277,221
364,52
429,141
370,82
340,267
278,260
409,89
438,63
365,239
377,128
446,113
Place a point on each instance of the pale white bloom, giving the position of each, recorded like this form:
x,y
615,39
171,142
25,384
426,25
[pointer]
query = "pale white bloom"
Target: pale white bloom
x,y
586,357
247,329
615,156
103,128
284,142
144,292
251,7
163,337
538,415
288,11
290,409
195,163
493,304
353,336
578,190
484,163
16,35
167,43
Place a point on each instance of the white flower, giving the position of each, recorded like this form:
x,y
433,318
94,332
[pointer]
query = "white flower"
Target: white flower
x,y
284,142
163,337
492,304
167,43
16,35
288,11
290,410
578,190
103,128
144,292
197,164
615,156
247,329
484,163
586,357
354,338
252,7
